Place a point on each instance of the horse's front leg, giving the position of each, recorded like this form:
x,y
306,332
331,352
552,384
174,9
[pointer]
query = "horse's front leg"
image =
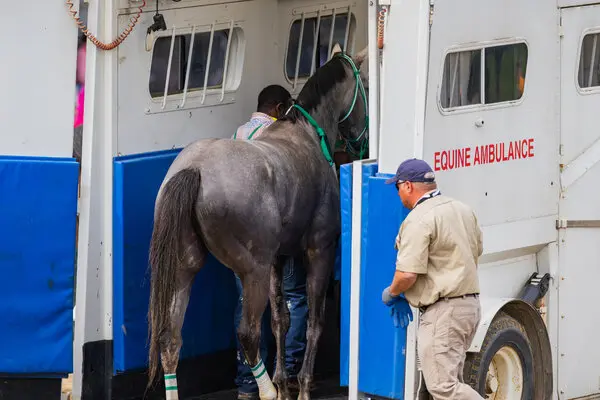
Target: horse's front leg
x,y
255,289
318,272
280,323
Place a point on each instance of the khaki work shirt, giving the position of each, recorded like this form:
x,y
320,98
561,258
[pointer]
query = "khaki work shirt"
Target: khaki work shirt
x,y
439,240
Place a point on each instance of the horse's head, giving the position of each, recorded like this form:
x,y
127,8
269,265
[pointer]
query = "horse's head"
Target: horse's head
x,y
353,92
334,101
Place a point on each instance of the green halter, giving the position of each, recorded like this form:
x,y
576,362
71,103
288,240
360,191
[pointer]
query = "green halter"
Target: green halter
x,y
321,133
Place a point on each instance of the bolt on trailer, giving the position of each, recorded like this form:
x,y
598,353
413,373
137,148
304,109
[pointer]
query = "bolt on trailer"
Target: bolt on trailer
x,y
498,97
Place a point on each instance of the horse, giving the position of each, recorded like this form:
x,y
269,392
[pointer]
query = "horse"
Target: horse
x,y
252,204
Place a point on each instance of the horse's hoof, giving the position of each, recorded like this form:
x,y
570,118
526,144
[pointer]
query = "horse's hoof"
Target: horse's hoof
x,y
304,396
270,395
283,394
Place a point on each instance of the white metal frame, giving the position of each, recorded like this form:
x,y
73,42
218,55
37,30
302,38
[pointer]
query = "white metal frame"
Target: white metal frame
x,y
93,316
405,20
206,96
318,11
356,268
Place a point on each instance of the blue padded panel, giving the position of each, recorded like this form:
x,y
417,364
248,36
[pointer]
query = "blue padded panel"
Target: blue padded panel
x,y
346,199
208,325
38,211
346,258
382,346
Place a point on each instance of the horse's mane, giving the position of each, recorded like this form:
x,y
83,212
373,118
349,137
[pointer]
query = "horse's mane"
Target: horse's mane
x,y
324,79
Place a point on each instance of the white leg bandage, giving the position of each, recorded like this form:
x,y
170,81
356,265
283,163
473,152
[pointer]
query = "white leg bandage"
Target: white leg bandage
x,y
171,387
265,386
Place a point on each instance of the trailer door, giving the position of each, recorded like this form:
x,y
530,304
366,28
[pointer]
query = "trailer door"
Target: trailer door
x,y
579,253
38,198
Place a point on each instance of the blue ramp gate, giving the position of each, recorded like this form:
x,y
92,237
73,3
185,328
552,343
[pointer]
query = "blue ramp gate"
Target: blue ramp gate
x,y
208,326
382,347
38,211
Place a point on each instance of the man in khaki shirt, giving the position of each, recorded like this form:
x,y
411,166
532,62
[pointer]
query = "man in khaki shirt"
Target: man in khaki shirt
x,y
438,246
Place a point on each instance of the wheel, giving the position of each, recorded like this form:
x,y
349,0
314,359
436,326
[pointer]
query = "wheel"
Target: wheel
x,y
503,369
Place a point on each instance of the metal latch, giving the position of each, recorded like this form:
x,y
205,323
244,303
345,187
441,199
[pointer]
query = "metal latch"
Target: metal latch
x,y
535,288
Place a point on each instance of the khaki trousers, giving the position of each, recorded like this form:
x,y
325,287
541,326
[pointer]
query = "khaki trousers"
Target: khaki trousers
x,y
445,333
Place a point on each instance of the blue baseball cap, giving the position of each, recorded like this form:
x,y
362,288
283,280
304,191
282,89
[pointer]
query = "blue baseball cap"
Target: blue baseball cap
x,y
413,170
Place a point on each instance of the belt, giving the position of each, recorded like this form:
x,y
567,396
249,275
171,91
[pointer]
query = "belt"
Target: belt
x,y
463,296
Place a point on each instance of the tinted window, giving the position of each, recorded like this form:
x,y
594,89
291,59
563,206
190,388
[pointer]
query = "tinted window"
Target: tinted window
x,y
503,75
179,64
308,37
589,62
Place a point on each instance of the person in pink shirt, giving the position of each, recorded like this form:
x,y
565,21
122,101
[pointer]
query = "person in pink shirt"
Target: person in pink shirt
x,y
80,81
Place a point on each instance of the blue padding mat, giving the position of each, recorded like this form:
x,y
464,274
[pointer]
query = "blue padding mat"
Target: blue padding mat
x,y
382,350
346,259
38,211
208,325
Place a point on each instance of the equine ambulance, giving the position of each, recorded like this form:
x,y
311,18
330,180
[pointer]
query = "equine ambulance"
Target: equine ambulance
x,y
499,96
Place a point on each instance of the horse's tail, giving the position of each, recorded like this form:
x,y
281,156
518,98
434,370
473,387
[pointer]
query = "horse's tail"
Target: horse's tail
x,y
174,214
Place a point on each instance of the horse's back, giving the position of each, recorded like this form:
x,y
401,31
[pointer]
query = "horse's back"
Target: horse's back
x,y
266,189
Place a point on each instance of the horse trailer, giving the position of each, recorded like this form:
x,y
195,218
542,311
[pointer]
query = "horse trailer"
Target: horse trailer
x,y
491,93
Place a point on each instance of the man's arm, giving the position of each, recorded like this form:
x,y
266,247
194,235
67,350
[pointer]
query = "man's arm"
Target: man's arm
x,y
402,282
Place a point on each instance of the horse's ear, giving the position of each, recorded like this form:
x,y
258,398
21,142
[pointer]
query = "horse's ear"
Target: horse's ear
x,y
361,56
336,49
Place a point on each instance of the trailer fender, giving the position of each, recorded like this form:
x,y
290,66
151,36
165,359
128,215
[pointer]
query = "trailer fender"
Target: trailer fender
x,y
489,308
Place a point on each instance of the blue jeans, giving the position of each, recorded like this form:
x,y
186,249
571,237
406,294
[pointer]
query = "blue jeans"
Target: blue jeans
x,y
294,292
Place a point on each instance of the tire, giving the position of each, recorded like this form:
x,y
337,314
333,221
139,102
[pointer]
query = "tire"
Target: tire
x,y
507,347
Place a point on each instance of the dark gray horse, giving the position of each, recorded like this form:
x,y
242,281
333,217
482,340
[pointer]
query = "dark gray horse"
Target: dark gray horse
x,y
251,204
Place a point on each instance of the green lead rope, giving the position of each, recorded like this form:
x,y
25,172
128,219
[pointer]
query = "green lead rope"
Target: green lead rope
x,y
323,138
251,134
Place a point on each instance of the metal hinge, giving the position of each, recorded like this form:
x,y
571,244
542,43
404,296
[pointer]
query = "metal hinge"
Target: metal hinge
x,y
577,223
431,8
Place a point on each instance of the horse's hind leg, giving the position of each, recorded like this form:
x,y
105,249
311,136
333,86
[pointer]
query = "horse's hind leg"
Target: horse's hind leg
x,y
255,292
318,272
171,341
280,322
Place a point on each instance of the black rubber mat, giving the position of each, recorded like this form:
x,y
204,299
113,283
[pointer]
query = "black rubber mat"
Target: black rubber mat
x,y
323,390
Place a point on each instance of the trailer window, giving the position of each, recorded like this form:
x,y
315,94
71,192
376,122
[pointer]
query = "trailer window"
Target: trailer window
x,y
589,61
179,63
329,33
503,76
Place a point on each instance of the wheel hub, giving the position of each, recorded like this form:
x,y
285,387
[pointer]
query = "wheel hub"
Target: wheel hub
x,y
504,379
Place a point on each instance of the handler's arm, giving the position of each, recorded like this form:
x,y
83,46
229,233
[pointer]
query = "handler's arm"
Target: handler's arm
x,y
402,282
